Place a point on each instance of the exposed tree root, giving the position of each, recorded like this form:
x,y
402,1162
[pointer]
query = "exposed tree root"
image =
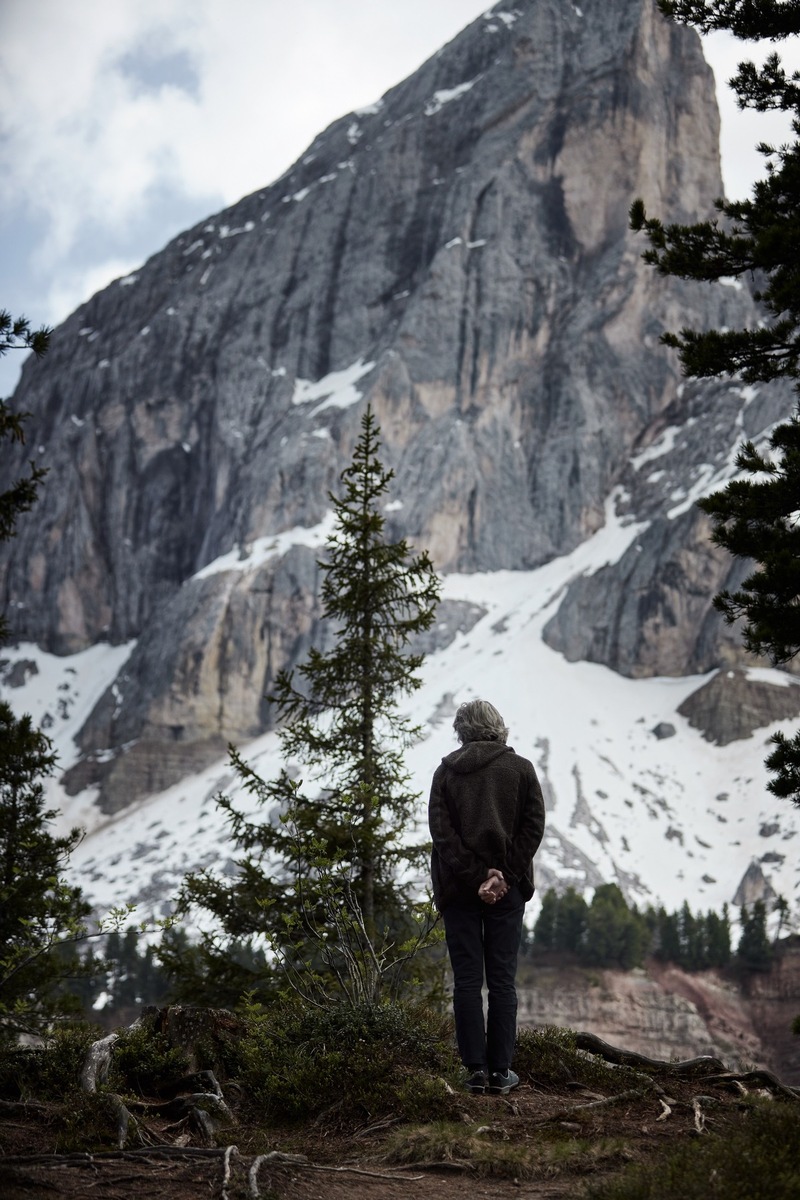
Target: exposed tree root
x,y
226,1169
712,1070
629,1058
84,1158
97,1062
757,1078
226,1155
299,1161
565,1113
699,1115
23,1108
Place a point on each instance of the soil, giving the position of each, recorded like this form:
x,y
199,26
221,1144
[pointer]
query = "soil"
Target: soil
x,y
593,1141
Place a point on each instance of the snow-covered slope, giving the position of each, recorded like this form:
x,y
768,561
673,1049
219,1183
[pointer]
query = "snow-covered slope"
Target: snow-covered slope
x,y
458,256
667,817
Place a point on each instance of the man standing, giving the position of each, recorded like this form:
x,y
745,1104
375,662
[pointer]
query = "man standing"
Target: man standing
x,y
486,817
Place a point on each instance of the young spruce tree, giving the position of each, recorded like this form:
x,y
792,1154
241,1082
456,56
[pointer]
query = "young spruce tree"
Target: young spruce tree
x,y
323,883
41,916
756,515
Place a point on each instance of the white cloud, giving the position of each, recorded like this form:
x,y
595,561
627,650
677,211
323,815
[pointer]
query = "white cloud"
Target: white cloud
x,y
64,296
741,131
125,122
89,144
85,141
107,157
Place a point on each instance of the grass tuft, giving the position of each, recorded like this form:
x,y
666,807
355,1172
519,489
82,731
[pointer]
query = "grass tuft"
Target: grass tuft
x,y
489,1151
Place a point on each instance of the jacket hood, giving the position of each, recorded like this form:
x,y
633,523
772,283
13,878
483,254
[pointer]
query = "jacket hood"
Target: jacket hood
x,y
474,756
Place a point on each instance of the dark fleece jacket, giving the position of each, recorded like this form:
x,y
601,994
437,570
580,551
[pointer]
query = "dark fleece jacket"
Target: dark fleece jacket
x,y
485,810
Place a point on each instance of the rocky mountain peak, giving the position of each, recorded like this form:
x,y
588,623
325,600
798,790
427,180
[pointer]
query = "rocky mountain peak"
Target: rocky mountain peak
x,y
458,255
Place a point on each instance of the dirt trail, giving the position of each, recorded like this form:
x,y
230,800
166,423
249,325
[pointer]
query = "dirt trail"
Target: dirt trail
x,y
557,1138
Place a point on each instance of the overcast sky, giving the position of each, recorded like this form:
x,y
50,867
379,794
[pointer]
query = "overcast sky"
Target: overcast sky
x,y
123,122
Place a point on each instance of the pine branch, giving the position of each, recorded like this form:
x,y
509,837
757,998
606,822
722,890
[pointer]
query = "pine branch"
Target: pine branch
x,y
16,334
745,19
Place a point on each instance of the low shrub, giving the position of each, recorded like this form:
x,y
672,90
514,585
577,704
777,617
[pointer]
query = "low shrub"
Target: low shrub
x,y
548,1057
143,1061
759,1159
86,1121
50,1071
357,1061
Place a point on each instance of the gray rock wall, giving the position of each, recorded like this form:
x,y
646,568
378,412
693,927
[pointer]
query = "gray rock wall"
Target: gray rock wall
x,y
468,238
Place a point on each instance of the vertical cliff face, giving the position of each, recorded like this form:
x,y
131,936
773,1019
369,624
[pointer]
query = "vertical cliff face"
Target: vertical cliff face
x,y
458,255
668,1013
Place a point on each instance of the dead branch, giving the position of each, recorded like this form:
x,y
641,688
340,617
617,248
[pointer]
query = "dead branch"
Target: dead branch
x,y
212,1080
95,1070
562,1114
699,1116
667,1111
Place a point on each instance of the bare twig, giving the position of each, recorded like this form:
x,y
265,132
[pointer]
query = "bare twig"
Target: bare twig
x,y
379,1126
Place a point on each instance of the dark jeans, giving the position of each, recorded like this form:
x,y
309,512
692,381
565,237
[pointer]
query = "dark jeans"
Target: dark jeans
x,y
485,936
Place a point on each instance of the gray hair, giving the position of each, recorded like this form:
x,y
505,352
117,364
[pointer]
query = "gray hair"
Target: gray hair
x,y
479,721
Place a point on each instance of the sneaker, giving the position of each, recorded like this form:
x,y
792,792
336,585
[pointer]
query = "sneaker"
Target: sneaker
x,y
502,1082
476,1083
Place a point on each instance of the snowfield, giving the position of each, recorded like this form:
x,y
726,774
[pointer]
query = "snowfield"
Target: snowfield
x,y
669,818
